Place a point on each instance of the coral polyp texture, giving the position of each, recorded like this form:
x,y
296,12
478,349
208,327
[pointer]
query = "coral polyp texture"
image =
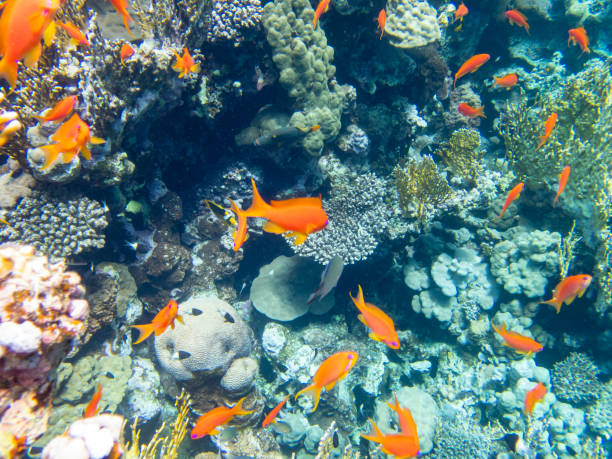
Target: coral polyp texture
x,y
411,23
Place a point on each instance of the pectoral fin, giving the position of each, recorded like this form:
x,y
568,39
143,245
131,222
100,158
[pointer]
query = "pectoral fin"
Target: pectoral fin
x,y
331,385
31,58
375,337
299,238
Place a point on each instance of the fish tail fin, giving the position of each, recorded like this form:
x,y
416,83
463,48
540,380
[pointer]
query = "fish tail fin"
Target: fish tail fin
x,y
258,206
555,200
480,112
241,231
498,330
376,435
8,71
542,140
314,391
238,410
127,19
359,301
144,330
554,303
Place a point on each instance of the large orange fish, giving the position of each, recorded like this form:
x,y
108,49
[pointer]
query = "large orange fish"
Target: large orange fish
x,y
160,322
121,8
71,140
271,417
520,343
471,65
382,20
568,289
322,7
207,423
507,81
376,320
512,195
518,18
126,52
579,36
76,35
12,446
333,369
548,127
469,111
92,407
22,26
563,177
533,396
185,64
406,421
398,445
60,111
461,11
298,216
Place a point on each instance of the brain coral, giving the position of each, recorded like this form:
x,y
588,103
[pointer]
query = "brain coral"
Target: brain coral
x,y
411,23
213,337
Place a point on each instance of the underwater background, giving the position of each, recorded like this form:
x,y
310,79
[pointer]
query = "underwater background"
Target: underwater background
x,y
207,207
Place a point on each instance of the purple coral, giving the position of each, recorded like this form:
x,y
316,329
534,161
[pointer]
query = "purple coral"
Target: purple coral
x,y
231,19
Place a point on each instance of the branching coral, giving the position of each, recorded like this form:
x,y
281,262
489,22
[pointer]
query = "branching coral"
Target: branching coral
x,y
420,188
575,379
462,153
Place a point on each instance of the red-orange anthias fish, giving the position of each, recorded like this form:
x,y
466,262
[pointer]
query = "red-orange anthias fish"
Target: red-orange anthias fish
x,y
77,37
382,20
160,322
322,7
298,217
92,407
548,127
333,369
563,177
185,64
507,81
126,52
469,111
471,65
518,18
406,421
534,396
271,417
399,446
60,111
461,11
568,289
579,36
207,423
71,140
520,343
22,26
11,446
376,320
121,8
514,193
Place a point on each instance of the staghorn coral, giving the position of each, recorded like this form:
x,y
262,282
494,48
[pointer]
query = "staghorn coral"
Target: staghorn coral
x,y
462,153
574,379
234,19
411,23
57,227
358,215
420,188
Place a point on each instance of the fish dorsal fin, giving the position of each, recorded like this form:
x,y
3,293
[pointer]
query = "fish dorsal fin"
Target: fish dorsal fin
x,y
309,201
258,206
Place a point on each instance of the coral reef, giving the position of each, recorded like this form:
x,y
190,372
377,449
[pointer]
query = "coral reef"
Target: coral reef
x,y
231,21
462,153
574,379
599,415
411,23
15,183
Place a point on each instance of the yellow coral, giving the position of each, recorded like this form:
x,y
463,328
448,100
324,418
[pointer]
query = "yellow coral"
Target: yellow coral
x,y
462,153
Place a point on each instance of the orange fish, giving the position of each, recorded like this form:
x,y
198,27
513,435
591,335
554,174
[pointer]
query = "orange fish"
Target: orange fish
x,y
207,423
461,11
11,446
298,216
469,111
185,64
398,445
92,407
406,421
376,320
548,127
534,396
514,193
382,20
60,111
518,342
579,36
563,177
568,289
271,417
71,139
121,8
160,322
518,18
507,81
322,7
126,52
75,33
333,369
22,26
471,65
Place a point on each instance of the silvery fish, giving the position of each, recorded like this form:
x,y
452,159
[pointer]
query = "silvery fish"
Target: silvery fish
x,y
329,279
